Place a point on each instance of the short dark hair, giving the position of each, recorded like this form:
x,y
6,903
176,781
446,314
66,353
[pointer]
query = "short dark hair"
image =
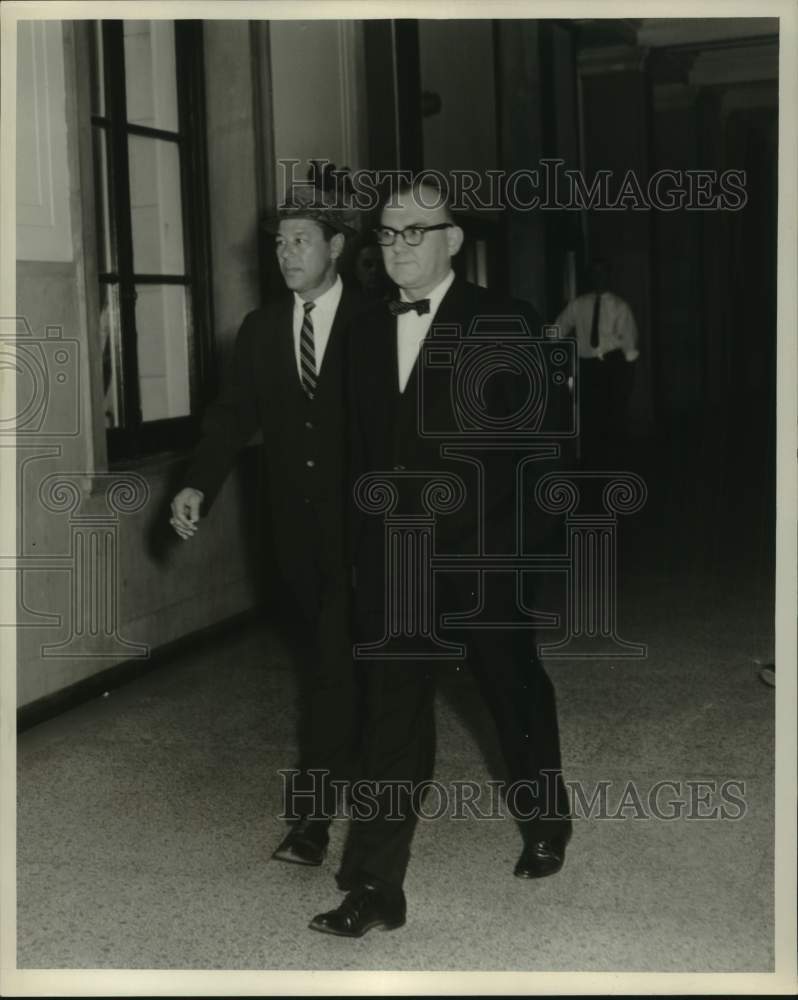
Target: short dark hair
x,y
598,266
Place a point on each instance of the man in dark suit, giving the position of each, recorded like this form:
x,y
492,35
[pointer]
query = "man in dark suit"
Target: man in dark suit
x,y
418,244
287,380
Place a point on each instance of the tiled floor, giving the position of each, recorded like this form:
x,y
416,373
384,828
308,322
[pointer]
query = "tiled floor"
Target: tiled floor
x,y
146,819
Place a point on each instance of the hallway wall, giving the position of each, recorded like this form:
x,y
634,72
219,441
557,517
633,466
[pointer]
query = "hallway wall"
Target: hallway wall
x,y
164,590
463,134
318,93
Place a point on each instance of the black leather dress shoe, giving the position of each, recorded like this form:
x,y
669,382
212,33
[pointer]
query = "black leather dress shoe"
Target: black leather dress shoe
x,y
540,858
364,908
306,843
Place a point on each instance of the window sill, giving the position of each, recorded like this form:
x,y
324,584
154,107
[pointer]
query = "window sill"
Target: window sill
x,y
148,467
155,464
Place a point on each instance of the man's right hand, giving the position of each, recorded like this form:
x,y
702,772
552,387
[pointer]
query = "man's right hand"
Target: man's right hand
x,y
185,511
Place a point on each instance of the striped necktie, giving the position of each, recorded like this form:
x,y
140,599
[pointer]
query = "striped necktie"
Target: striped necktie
x,y
307,352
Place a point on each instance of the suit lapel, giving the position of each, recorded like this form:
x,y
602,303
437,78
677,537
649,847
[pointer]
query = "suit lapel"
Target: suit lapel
x,y
284,336
335,347
385,358
378,386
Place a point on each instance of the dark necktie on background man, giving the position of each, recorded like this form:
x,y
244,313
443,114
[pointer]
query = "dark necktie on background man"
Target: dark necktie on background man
x,y
594,326
307,352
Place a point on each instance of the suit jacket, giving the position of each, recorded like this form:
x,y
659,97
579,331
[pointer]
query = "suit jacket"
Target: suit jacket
x,y
401,433
304,442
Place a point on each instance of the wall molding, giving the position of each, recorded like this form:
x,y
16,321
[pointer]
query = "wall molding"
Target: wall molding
x,y
351,89
263,116
44,231
674,96
612,59
743,64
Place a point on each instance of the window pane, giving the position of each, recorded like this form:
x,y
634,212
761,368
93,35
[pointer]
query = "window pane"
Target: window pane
x,y
102,210
150,78
97,81
155,206
162,331
111,354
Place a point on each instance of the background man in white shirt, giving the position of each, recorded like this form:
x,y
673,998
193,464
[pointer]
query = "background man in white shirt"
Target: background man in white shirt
x,y
607,344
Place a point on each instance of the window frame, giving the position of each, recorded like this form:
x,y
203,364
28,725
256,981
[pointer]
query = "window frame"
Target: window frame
x,y
137,438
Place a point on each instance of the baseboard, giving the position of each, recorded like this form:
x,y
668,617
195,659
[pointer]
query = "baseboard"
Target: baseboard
x,y
115,676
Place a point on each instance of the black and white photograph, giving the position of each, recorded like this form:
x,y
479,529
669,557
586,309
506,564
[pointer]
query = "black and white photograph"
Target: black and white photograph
x,y
398,467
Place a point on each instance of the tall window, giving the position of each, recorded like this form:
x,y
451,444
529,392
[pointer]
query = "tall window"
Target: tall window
x,y
152,232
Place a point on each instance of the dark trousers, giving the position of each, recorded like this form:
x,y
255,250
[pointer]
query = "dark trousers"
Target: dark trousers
x,y
398,756
330,711
605,385
399,743
520,697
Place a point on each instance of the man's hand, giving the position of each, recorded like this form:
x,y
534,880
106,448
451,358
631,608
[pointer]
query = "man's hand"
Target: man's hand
x,y
185,511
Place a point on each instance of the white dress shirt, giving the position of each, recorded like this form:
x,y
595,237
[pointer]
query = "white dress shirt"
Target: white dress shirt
x,y
411,329
617,329
322,316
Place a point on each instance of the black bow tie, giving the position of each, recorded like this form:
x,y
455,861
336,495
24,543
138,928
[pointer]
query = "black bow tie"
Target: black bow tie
x,y
397,306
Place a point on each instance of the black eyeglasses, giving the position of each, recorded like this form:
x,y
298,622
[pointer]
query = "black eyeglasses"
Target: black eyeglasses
x,y
412,235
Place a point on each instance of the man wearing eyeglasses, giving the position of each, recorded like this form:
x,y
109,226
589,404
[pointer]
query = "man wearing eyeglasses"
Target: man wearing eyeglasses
x,y
419,238
287,380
